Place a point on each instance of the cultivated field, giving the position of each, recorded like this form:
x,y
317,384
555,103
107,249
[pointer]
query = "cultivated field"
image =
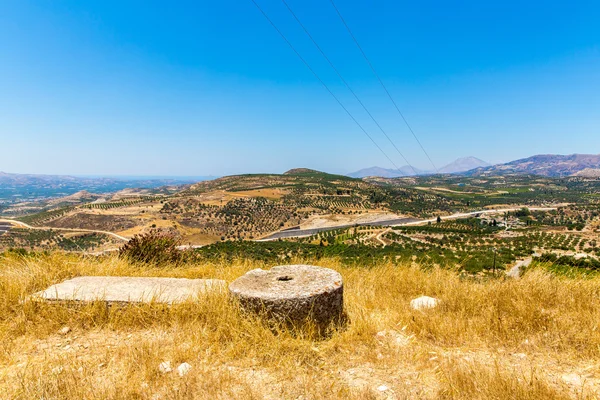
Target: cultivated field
x,y
554,218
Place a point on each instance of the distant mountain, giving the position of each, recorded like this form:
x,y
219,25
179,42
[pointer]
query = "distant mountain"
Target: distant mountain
x,y
18,179
20,187
386,173
462,165
552,165
79,197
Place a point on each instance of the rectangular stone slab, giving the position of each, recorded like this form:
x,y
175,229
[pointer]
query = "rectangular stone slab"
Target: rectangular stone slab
x,y
122,289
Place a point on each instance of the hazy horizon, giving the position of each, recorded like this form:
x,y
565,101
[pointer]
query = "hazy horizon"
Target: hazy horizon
x,y
424,170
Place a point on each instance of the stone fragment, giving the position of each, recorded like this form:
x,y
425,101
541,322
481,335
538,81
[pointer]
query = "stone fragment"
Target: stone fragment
x,y
57,370
64,330
122,289
424,302
292,294
183,369
165,367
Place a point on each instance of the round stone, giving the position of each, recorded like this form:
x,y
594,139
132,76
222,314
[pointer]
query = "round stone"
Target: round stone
x,y
292,294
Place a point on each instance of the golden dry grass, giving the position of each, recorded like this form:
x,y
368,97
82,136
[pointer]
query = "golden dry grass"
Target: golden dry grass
x,y
534,338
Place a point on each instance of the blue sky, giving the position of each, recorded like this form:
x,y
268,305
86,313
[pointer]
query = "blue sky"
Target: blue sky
x,y
209,88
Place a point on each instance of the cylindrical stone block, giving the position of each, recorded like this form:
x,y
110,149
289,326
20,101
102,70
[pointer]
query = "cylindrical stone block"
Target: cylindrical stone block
x,y
292,294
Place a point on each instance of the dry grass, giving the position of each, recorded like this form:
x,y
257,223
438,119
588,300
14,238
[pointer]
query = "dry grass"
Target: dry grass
x,y
535,338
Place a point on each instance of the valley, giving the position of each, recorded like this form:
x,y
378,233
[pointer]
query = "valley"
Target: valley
x,y
299,200
474,223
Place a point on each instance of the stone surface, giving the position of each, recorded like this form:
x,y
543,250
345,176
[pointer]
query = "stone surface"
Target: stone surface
x,y
424,302
292,294
64,330
165,367
183,369
117,289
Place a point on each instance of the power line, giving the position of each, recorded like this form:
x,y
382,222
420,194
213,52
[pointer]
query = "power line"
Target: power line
x,y
381,82
346,83
323,83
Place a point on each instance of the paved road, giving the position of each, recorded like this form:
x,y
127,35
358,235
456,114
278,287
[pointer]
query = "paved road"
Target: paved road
x,y
294,233
314,231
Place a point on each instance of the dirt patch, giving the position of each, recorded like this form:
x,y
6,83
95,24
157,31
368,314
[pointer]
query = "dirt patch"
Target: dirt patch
x,y
272,194
332,220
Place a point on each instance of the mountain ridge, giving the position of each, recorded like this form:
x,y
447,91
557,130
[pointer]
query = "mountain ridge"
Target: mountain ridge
x,y
386,172
463,164
459,165
551,165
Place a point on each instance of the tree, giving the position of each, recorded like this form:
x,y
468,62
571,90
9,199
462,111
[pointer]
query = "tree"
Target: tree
x,y
439,219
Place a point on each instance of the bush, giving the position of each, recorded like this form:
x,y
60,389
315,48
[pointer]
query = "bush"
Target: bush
x,y
153,247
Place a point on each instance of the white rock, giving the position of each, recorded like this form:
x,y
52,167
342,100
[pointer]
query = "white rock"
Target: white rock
x,y
57,370
424,302
382,388
572,379
183,369
64,330
165,367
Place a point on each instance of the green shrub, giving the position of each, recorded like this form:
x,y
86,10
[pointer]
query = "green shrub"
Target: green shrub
x,y
153,248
